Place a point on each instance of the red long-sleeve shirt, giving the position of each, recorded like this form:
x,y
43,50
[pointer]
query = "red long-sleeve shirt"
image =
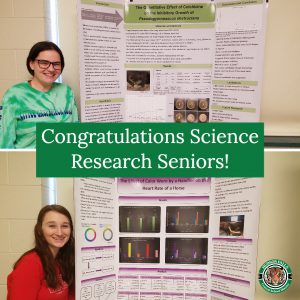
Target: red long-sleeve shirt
x,y
27,282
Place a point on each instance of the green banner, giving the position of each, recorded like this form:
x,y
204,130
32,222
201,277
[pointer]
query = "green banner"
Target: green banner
x,y
104,101
237,3
103,3
170,13
234,82
150,150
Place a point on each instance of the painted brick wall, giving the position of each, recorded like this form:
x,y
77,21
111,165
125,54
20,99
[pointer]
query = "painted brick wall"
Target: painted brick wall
x,y
21,25
20,202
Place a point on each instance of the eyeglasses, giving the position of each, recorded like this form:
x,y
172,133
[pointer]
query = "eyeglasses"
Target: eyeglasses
x,y
45,64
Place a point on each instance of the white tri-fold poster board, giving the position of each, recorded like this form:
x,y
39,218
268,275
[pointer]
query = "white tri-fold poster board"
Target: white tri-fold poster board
x,y
148,61
170,61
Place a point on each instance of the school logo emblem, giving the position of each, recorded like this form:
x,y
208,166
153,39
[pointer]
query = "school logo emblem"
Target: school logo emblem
x,y
275,276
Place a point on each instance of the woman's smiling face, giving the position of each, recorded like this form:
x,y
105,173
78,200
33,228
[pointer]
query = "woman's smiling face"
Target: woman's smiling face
x,y
57,230
46,76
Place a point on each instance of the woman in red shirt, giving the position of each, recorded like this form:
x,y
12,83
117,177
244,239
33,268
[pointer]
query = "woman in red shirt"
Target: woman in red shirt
x,y
46,272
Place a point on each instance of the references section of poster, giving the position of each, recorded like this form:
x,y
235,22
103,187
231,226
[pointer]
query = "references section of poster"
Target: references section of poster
x,y
238,60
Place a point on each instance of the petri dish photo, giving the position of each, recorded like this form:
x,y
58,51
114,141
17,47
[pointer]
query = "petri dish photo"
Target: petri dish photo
x,y
203,104
191,104
179,103
203,118
191,118
179,117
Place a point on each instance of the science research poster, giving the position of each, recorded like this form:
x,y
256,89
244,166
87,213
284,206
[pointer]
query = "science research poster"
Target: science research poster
x,y
147,61
168,238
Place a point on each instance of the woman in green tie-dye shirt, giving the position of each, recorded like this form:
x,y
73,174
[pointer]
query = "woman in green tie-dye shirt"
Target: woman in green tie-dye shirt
x,y
38,100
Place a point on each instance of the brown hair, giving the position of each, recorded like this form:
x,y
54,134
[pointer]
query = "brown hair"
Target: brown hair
x,y
39,47
65,257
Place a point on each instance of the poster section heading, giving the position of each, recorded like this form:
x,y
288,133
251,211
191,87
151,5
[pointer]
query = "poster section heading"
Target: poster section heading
x,y
150,150
170,13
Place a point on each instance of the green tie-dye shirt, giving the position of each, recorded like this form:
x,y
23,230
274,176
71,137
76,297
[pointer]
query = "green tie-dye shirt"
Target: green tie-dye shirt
x,y
24,106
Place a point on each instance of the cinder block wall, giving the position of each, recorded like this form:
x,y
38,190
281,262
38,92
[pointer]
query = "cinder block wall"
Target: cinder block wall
x,y
20,202
65,194
21,25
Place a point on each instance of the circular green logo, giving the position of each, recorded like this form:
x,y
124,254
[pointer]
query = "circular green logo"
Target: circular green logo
x,y
275,276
